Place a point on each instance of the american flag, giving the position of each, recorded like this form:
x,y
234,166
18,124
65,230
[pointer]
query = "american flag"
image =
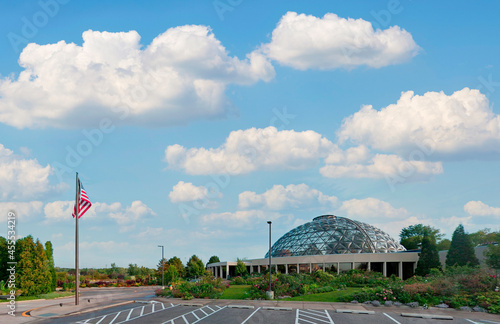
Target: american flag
x,y
84,201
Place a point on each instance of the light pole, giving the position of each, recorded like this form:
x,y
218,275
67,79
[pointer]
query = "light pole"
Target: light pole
x,y
270,293
162,268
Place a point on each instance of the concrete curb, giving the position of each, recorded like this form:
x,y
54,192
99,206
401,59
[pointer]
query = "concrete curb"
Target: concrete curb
x,y
241,306
191,304
428,316
354,311
277,308
76,312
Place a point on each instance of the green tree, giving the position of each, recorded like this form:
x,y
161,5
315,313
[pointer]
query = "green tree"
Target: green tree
x,y
461,251
493,256
412,235
241,268
172,275
213,259
444,245
177,263
49,251
484,236
4,258
42,269
429,257
113,271
195,267
133,270
163,262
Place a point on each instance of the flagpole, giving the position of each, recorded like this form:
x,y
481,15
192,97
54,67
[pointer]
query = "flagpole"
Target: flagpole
x,y
77,207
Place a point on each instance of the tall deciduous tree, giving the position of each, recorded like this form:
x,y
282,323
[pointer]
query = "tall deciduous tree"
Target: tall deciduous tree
x,y
461,251
213,259
195,267
429,257
493,256
412,235
50,257
177,263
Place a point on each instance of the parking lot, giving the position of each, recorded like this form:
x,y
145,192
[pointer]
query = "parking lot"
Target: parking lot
x,y
170,313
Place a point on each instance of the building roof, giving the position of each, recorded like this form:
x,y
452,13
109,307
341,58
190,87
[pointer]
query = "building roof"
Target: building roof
x,y
330,234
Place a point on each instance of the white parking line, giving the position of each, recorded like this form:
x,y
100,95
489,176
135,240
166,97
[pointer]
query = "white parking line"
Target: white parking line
x,y
250,316
101,319
312,316
391,318
117,314
192,313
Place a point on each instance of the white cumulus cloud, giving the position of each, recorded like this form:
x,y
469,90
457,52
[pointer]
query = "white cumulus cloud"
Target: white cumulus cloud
x,y
248,150
308,42
291,196
181,76
431,123
186,191
478,208
22,178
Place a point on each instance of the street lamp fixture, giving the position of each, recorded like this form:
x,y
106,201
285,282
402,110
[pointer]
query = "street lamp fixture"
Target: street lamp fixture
x,y
270,293
162,268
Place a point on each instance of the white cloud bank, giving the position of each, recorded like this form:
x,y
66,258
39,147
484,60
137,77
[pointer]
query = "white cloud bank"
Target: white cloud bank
x,y
308,42
181,76
432,123
22,210
252,149
291,196
125,216
22,178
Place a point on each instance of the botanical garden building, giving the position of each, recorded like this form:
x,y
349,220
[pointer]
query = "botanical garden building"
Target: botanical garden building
x,y
335,244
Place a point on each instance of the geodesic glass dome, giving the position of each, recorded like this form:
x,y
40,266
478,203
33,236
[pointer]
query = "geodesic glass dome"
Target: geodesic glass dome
x,y
329,234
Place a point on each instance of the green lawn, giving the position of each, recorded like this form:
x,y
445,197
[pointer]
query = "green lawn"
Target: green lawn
x,y
332,296
235,292
52,295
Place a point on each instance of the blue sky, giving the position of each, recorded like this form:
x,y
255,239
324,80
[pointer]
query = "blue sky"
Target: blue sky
x,y
192,123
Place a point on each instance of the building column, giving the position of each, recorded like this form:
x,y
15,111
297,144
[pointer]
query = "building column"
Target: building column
x,y
369,266
400,270
298,268
310,267
227,270
338,267
258,268
276,268
251,269
286,268
352,265
384,269
220,271
323,267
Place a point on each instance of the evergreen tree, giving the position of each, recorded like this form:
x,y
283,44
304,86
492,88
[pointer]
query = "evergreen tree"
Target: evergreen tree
x,y
429,257
195,267
241,268
25,252
493,257
4,258
461,251
43,278
213,259
50,256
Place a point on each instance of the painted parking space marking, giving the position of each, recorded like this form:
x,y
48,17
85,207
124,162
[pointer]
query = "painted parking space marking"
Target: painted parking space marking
x,y
192,317
392,319
312,316
255,311
127,314
482,321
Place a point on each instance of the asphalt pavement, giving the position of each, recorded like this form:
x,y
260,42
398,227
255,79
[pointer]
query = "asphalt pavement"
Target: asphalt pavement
x,y
131,305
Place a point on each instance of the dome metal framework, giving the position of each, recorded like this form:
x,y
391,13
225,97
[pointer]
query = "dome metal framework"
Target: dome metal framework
x,y
329,234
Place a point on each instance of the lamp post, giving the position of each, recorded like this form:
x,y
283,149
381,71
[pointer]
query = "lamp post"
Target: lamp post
x,y
270,293
162,268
